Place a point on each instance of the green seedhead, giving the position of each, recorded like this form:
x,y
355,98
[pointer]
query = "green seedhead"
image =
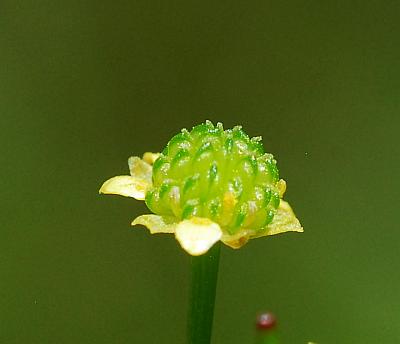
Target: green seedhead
x,y
209,184
218,174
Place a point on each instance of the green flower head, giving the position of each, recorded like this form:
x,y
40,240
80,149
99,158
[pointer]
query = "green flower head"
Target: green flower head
x,y
209,184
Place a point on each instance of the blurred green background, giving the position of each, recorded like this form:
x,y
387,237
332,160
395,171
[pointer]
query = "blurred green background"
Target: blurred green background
x,y
86,84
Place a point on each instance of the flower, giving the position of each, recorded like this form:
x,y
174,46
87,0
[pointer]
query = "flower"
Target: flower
x,y
207,185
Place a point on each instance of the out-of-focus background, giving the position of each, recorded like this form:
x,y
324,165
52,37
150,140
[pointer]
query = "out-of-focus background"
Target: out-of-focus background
x,y
86,84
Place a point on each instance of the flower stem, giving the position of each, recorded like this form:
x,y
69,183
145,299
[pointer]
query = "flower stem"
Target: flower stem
x,y
202,295
267,338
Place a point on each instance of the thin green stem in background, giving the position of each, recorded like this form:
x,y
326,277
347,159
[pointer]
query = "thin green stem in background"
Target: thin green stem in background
x,y
202,295
268,337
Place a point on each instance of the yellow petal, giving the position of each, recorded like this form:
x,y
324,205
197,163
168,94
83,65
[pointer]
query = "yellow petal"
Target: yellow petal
x,y
197,235
156,224
238,240
284,221
150,158
126,186
139,168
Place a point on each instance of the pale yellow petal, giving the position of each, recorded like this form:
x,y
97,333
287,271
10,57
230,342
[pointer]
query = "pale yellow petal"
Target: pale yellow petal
x,y
150,157
284,221
237,240
126,186
197,235
140,168
156,224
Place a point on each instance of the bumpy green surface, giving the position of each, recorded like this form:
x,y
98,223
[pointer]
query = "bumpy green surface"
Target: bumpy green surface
x,y
215,173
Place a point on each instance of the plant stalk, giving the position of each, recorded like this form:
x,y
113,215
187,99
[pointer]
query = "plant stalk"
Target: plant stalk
x,y
269,337
202,295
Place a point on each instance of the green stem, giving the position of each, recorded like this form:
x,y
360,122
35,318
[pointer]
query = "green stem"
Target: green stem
x,y
202,295
268,337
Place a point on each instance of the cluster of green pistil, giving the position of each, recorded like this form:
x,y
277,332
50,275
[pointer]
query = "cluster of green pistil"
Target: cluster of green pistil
x,y
218,174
